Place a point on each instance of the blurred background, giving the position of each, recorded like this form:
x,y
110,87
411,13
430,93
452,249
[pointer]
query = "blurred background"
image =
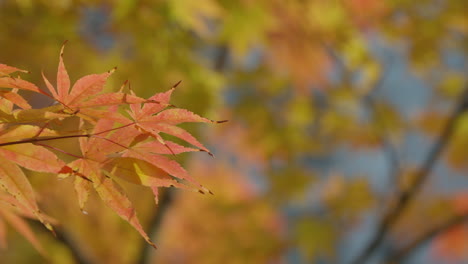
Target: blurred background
x,y
334,109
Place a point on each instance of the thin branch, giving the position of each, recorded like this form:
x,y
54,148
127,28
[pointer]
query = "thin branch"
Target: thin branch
x,y
388,148
41,139
221,59
48,138
155,224
401,255
63,237
76,252
166,199
405,196
59,150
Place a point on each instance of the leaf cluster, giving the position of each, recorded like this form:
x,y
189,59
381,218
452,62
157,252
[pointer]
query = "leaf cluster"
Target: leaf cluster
x,y
120,136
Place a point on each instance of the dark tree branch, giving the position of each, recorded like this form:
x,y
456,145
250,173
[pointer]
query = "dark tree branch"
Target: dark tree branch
x,y
40,139
49,138
164,204
221,59
401,255
384,137
405,196
78,255
388,148
167,196
76,252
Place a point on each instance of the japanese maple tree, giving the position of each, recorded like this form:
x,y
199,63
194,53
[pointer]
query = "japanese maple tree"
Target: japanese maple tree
x,y
120,136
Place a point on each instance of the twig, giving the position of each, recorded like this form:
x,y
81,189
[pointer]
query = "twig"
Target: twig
x,y
401,255
406,195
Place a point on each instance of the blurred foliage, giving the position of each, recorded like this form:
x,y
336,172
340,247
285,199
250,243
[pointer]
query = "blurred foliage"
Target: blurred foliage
x,y
316,238
451,245
236,226
302,82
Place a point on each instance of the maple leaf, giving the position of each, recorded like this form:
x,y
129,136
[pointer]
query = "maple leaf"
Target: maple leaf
x,y
87,93
27,155
124,152
141,172
20,225
113,195
19,132
32,157
7,70
112,146
8,82
110,152
88,170
13,212
13,180
108,190
16,83
155,118
15,98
